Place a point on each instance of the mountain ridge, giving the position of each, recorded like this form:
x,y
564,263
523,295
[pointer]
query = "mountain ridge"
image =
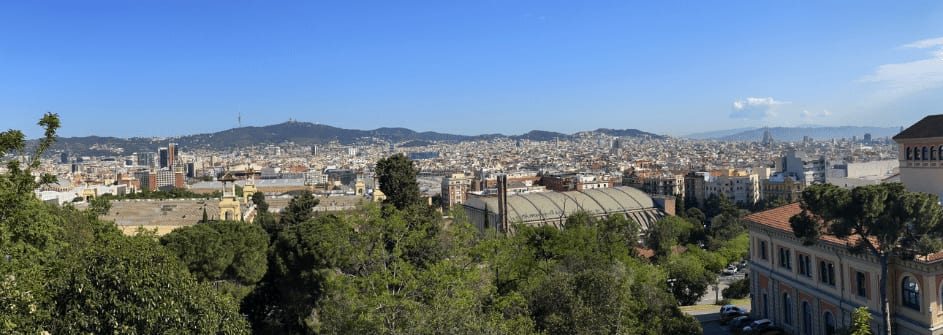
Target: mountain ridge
x,y
303,133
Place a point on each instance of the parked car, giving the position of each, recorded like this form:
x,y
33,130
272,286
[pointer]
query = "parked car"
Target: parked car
x,y
726,307
737,324
731,314
758,326
730,270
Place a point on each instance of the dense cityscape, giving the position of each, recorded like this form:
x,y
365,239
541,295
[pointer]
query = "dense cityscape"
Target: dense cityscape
x,y
471,167
645,178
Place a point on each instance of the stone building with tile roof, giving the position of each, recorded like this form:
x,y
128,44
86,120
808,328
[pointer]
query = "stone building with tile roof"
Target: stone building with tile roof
x,y
814,289
920,152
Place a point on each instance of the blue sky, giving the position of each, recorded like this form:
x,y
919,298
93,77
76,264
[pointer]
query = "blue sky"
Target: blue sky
x,y
165,68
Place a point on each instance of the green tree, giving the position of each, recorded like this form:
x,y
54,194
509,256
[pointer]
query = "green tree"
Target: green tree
x,y
29,233
299,210
133,285
696,216
860,322
231,255
300,261
258,198
666,233
883,220
737,290
397,177
263,217
688,278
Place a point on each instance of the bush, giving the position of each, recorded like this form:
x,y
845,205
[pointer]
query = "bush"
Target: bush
x,y
737,290
722,302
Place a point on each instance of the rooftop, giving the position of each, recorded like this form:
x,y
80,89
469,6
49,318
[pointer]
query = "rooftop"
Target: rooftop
x,y
778,218
929,126
554,205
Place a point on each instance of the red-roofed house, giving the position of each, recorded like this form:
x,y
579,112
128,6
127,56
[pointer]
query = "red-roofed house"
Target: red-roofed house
x,y
814,289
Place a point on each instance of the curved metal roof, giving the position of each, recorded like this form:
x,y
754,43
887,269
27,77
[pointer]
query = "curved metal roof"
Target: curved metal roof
x,y
544,206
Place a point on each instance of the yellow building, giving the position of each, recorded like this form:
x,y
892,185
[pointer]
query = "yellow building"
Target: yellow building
x,y
378,195
229,207
814,289
920,153
782,187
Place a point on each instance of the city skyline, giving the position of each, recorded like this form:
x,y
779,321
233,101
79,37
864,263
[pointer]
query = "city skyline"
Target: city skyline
x,y
160,69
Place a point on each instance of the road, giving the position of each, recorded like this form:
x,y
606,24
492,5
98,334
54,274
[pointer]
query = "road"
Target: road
x,y
711,297
710,320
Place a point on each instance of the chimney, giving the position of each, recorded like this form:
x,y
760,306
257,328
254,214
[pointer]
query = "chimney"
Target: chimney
x,y
503,201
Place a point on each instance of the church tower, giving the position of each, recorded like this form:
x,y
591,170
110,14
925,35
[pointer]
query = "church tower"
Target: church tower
x,y
250,187
229,207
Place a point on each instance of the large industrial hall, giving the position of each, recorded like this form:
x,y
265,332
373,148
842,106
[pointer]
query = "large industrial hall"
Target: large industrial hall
x,y
552,208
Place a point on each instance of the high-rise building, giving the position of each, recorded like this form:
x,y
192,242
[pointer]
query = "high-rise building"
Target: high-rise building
x,y
145,159
64,158
163,158
147,180
802,168
172,155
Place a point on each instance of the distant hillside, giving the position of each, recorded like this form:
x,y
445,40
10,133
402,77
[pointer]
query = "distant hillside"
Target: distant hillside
x,y
628,133
541,135
793,134
302,133
717,133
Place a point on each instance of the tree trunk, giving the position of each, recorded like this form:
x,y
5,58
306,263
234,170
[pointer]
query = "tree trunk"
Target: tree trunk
x,y
885,305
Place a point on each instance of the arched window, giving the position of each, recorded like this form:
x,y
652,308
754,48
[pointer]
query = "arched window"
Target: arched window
x,y
909,156
829,323
932,153
910,292
923,154
787,309
916,153
806,318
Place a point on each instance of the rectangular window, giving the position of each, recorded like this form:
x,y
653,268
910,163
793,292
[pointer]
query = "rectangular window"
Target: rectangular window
x,y
861,283
785,258
827,273
763,250
805,265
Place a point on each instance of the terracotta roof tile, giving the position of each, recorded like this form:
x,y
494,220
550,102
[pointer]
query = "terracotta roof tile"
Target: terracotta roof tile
x,y
778,218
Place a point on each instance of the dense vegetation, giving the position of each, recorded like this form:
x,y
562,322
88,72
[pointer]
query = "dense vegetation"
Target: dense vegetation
x,y
65,272
391,268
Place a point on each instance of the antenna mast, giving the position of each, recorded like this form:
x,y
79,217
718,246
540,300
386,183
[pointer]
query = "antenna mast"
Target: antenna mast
x,y
239,118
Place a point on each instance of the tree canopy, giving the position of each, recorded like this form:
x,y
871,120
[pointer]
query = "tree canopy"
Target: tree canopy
x,y
65,272
397,177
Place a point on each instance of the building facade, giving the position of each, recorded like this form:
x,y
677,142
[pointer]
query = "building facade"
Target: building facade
x,y
455,189
780,186
920,155
814,289
738,186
